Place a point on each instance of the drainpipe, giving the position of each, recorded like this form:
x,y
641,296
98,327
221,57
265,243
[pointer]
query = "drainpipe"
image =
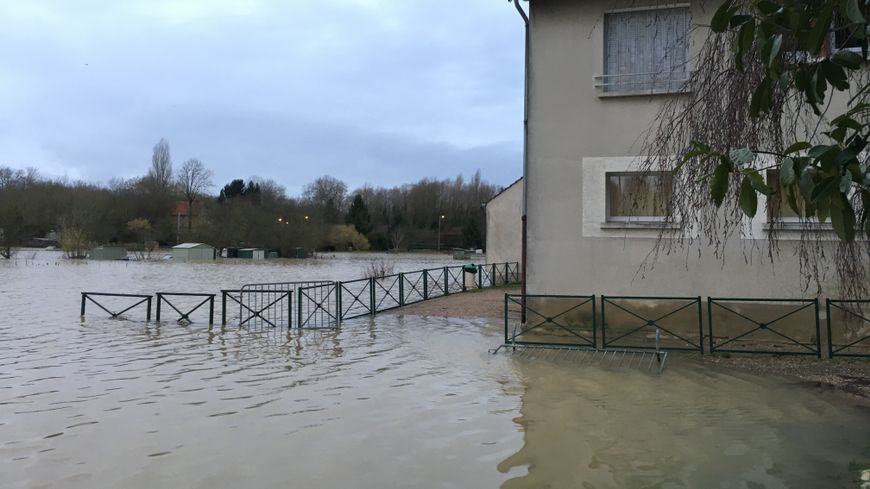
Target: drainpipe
x,y
523,253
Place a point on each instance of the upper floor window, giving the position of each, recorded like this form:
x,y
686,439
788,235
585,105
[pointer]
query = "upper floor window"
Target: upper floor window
x,y
639,196
778,207
646,50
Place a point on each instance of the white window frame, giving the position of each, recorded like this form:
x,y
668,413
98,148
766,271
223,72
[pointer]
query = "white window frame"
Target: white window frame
x,y
601,81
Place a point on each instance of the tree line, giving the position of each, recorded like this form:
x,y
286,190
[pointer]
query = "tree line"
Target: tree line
x,y
168,205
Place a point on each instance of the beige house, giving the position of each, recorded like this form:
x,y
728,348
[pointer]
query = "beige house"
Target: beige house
x,y
504,239
597,74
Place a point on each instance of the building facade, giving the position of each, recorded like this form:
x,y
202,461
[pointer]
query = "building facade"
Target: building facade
x,y
504,239
598,74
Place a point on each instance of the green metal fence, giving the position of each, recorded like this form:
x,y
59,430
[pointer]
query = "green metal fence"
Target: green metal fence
x,y
554,320
848,328
752,325
648,322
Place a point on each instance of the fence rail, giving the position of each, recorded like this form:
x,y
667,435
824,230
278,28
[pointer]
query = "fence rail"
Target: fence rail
x,y
554,320
163,297
639,318
324,304
849,337
764,331
143,298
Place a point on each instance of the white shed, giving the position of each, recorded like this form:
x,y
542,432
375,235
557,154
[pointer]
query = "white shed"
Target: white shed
x,y
193,251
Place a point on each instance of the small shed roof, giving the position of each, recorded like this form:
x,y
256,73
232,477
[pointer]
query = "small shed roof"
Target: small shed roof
x,y
250,249
191,245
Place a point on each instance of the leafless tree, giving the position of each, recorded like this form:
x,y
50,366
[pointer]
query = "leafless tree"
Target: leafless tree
x,y
193,180
160,173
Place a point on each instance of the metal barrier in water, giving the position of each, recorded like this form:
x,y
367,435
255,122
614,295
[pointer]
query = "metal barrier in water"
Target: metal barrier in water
x,y
163,297
143,299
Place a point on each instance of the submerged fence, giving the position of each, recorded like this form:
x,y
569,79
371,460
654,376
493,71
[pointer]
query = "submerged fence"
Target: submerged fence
x,y
321,304
734,325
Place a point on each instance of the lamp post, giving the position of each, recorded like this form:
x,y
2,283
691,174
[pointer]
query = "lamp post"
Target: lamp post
x,y
440,218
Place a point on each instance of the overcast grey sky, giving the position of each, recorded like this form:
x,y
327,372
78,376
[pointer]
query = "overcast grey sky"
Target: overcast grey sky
x,y
370,91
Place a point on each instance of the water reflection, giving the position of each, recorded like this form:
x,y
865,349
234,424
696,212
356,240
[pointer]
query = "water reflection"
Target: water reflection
x,y
690,427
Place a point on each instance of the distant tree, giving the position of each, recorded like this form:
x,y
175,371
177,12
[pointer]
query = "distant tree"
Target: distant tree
x,y
345,237
193,180
327,195
358,215
237,188
74,242
160,173
11,228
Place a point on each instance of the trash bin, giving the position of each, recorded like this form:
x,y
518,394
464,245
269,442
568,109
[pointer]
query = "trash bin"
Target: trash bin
x,y
470,272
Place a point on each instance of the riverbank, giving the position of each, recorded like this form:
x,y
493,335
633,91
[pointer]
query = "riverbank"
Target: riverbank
x,y
849,376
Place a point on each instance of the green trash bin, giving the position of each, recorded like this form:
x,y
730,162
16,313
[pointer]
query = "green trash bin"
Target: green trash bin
x,y
470,275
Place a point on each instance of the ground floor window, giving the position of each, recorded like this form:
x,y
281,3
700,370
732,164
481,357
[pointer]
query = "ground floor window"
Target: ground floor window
x,y
639,196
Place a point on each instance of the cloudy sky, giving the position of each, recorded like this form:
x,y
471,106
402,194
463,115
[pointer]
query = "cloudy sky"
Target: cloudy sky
x,y
370,91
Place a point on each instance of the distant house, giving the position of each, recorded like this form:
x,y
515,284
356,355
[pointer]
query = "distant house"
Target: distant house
x,y
193,252
252,253
504,212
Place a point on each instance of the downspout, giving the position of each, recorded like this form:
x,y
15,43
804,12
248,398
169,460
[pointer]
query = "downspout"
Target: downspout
x,y
524,231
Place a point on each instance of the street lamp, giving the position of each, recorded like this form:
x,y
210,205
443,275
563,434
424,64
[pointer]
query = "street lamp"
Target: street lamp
x,y
440,218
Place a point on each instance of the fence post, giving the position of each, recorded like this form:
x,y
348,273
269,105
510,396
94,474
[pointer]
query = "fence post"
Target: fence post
x,y
338,289
493,281
425,285
148,314
159,297
507,279
594,320
818,330
224,306
401,289
603,321
299,309
338,303
372,295
462,274
505,317
700,327
710,321
211,310
84,297
446,281
480,276
827,316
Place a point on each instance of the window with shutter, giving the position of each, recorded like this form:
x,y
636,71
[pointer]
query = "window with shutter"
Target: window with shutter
x,y
646,50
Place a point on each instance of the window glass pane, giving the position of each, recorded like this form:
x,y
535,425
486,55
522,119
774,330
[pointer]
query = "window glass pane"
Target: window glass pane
x,y
638,195
777,207
646,50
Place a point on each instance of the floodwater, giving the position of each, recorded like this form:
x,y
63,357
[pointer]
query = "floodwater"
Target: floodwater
x,y
396,402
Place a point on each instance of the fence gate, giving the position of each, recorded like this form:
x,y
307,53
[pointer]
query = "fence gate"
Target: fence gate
x,y
319,306
269,304
848,328
781,326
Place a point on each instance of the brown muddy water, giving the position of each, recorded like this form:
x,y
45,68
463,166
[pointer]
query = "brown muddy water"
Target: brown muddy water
x,y
401,401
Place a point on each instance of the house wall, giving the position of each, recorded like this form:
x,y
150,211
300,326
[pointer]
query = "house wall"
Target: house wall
x,y
576,135
504,225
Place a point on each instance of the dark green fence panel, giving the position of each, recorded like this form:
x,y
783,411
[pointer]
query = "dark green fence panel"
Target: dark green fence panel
x,y
122,301
318,307
848,328
356,298
187,308
388,292
748,325
554,320
414,287
647,322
